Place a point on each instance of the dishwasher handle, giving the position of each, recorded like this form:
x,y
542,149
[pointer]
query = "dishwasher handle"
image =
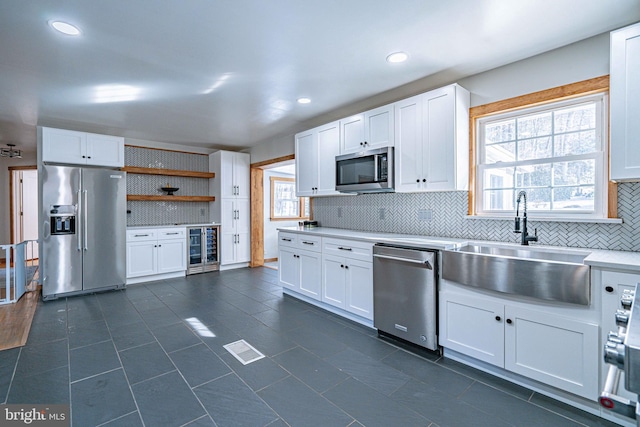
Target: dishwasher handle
x,y
426,264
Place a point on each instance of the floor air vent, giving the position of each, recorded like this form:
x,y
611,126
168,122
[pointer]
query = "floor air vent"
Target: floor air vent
x,y
243,351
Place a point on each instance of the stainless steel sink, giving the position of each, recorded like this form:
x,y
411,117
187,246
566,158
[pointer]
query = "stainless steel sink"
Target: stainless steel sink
x,y
551,275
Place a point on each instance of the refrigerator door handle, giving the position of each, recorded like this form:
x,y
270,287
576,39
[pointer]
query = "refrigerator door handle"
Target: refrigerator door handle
x,y
85,218
80,223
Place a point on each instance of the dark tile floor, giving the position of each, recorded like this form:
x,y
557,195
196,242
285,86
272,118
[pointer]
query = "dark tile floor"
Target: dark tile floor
x,y
142,357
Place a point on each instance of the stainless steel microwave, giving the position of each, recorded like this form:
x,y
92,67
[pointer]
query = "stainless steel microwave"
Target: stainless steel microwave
x,y
368,171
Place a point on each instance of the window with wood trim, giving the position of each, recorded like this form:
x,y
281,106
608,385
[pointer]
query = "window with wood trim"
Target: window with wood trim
x,y
285,206
556,150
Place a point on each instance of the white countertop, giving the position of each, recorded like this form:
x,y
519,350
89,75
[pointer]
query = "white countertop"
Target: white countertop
x,y
612,260
137,227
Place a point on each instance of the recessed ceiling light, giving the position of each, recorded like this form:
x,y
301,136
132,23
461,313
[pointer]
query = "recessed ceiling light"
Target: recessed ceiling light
x,y
65,28
397,57
304,100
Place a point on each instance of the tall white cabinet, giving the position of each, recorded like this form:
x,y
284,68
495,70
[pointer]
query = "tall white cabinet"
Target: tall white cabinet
x,y
432,141
231,208
625,103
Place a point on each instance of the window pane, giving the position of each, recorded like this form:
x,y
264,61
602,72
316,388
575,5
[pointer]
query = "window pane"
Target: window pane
x,y
575,143
499,178
577,198
580,117
573,173
499,200
500,131
538,199
285,202
534,176
538,148
504,152
535,125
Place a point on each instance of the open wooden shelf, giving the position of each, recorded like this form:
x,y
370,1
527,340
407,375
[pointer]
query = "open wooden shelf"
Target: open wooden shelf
x,y
168,172
164,198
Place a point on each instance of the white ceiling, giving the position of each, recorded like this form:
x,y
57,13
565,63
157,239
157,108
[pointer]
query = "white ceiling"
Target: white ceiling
x,y
214,73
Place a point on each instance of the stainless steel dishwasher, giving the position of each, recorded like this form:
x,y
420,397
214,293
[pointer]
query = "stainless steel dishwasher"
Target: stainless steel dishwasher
x,y
404,293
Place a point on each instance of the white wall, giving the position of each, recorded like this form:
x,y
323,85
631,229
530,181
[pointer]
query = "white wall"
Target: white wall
x,y
28,159
583,60
270,227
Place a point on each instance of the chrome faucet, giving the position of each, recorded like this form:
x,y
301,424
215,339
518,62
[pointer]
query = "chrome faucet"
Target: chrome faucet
x,y
525,237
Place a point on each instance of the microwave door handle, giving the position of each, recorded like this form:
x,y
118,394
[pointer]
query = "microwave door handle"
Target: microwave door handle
x,y
376,160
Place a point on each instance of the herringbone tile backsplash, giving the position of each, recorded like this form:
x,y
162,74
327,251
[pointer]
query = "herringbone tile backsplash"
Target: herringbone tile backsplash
x,y
444,215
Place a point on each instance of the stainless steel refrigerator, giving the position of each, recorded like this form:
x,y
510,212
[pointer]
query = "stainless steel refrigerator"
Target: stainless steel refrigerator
x,y
82,230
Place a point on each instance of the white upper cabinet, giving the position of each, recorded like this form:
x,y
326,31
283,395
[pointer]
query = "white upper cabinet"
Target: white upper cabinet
x,y
369,130
81,148
232,174
625,103
316,152
432,141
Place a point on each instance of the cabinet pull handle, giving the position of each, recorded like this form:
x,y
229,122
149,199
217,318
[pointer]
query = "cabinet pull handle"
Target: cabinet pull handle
x,y
140,235
169,234
308,243
609,289
344,249
498,318
286,240
509,321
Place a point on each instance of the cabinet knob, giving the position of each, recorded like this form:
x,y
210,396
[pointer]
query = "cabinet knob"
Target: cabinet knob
x,y
424,180
346,266
509,321
362,143
341,265
417,180
609,289
498,318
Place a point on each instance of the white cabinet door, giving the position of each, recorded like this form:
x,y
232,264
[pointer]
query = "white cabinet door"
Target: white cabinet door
x,y
243,248
352,134
625,103
439,138
288,268
228,211
328,148
227,248
141,258
63,146
105,150
241,174
409,144
243,216
333,281
310,274
359,288
234,174
555,350
472,326
306,163
171,255
378,127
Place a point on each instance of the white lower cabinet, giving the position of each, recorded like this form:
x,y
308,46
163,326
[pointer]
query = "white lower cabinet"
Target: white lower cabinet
x,y
337,272
299,269
348,284
560,351
155,253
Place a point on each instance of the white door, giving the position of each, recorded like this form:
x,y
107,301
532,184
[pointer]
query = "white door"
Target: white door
x,y
328,149
306,163
29,199
439,137
171,256
288,268
142,258
409,144
333,277
310,272
241,166
379,127
352,134
359,288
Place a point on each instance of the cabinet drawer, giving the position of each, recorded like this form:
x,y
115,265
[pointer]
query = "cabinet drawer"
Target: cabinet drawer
x,y
348,248
288,239
141,234
171,233
310,243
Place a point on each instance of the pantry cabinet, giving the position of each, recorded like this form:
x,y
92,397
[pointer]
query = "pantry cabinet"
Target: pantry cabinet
x,y
231,208
368,130
525,339
81,148
432,141
625,103
316,152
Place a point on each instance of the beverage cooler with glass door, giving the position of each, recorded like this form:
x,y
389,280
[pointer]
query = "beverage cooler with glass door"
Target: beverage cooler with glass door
x,y
203,249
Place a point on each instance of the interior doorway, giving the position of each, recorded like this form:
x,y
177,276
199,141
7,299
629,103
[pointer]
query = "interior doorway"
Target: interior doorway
x,y
23,197
258,206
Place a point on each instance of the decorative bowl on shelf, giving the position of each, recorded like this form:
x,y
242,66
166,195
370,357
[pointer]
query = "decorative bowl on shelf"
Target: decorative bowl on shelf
x,y
169,190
